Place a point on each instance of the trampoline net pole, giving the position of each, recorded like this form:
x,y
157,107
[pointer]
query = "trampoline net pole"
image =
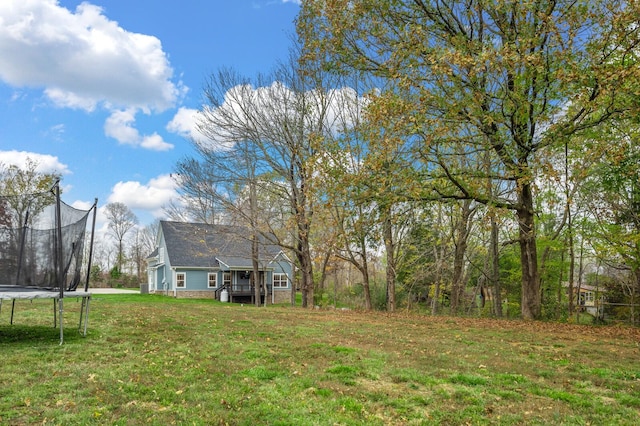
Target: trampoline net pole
x,y
60,304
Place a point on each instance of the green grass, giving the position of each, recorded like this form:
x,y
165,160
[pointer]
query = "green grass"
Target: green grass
x,y
154,360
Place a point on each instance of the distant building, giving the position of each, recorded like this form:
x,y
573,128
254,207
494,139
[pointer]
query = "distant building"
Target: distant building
x,y
589,298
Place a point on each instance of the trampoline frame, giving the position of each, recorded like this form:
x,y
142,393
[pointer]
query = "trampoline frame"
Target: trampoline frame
x,y
29,293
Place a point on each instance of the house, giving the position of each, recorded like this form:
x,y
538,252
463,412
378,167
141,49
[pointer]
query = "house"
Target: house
x,y
589,298
202,260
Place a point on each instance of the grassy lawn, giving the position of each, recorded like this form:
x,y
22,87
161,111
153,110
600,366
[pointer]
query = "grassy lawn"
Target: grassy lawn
x,y
161,361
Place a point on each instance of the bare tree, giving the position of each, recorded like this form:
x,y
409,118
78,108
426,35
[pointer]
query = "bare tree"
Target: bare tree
x,y
263,141
121,221
143,244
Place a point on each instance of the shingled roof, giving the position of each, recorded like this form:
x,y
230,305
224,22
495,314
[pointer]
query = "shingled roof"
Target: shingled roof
x,y
203,245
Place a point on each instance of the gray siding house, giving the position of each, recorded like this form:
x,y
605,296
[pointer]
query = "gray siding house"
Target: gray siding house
x,y
202,260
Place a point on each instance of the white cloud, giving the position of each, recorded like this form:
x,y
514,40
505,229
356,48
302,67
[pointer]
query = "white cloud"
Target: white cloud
x,y
45,163
151,196
155,142
119,126
184,123
70,100
82,58
56,132
338,110
82,205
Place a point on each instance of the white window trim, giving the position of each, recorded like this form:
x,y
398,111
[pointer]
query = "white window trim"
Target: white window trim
x,y
281,276
184,280
224,280
215,280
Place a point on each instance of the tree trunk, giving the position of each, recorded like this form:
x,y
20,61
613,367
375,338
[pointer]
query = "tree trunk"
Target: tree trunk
x,y
364,270
580,273
308,283
572,266
560,280
530,300
495,269
263,283
436,298
303,280
572,254
294,284
323,273
120,256
253,214
391,264
256,270
461,237
438,257
306,272
366,288
633,306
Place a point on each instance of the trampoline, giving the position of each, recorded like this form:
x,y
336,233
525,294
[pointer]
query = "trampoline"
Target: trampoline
x,y
44,253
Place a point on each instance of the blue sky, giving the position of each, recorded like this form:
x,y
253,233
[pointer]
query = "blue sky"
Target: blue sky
x,y
104,91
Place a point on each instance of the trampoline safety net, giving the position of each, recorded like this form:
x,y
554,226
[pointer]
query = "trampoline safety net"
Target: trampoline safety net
x,y
42,242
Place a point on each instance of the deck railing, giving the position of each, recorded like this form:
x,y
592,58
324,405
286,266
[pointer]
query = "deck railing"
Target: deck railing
x,y
240,290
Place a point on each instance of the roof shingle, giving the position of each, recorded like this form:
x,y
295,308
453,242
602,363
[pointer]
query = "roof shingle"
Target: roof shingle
x,y
203,245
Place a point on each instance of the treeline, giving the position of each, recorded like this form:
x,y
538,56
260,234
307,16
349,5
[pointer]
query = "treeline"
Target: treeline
x,y
477,156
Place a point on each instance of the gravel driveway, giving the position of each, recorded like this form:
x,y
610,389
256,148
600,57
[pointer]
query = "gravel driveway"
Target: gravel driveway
x,y
113,291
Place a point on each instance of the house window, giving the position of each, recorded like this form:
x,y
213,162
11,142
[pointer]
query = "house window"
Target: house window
x,y
226,279
181,280
213,279
280,281
588,297
161,255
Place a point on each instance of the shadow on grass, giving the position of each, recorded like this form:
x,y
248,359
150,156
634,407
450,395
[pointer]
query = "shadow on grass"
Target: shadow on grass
x,y
30,334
